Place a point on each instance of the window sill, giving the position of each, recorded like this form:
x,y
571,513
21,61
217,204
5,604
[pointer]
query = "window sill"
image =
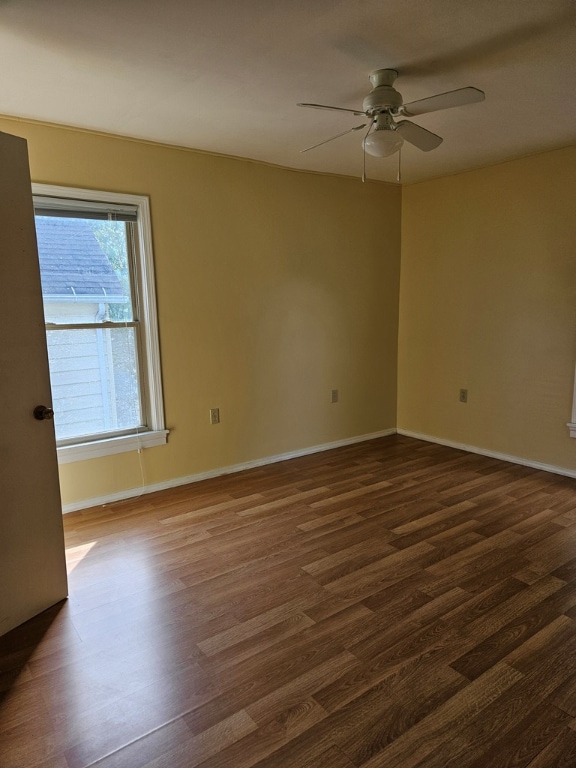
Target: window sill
x,y
97,448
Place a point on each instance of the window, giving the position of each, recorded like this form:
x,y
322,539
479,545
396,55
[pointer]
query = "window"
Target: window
x,y
95,252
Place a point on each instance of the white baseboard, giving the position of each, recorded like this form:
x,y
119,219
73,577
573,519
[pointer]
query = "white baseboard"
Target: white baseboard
x,y
492,454
131,493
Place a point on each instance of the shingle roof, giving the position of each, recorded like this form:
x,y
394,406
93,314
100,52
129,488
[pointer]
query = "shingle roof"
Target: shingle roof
x,y
71,260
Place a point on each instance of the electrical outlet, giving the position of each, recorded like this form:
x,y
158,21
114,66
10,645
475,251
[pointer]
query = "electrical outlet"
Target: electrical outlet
x,y
463,395
214,415
334,396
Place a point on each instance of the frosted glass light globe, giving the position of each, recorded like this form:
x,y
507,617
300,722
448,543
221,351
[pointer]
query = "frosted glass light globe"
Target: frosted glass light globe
x,y
383,143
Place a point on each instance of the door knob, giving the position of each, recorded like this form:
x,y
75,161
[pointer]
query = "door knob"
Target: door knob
x,y
43,412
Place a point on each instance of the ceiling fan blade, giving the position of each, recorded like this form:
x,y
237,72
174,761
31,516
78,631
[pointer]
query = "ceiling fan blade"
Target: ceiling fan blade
x,y
357,128
420,137
457,98
332,109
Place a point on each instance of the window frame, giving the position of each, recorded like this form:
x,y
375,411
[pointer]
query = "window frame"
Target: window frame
x,y
154,433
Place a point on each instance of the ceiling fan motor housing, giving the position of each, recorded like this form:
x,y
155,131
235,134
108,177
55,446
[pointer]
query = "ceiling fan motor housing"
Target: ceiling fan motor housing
x,y
383,95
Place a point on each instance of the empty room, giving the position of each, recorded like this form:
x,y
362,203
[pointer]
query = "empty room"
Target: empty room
x,y
288,349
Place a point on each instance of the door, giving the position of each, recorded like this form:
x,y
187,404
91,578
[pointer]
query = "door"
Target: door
x,y
32,564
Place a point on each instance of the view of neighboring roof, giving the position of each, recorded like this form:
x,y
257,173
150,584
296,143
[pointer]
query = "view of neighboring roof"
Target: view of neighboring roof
x,y
72,263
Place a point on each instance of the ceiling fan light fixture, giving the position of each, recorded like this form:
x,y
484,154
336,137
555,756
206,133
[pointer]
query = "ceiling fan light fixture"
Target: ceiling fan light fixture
x,y
383,142
384,103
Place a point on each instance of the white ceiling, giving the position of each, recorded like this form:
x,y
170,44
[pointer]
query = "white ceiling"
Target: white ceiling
x,y
225,76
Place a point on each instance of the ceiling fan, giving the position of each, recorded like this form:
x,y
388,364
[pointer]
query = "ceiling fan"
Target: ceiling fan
x,y
384,103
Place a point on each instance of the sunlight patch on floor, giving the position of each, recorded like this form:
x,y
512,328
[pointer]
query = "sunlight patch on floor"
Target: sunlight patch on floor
x,y
75,555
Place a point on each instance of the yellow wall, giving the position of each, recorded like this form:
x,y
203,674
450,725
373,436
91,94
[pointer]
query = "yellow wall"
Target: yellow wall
x,y
276,286
273,288
487,303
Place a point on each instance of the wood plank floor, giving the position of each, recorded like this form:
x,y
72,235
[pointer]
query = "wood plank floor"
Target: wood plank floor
x,y
393,603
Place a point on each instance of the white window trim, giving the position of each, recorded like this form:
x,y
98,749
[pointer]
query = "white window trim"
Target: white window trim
x,y
156,433
111,445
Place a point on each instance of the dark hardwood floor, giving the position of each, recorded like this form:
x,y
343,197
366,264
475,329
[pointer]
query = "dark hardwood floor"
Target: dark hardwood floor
x,y
392,603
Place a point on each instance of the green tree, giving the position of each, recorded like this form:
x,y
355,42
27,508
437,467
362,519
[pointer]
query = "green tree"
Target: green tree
x,y
111,237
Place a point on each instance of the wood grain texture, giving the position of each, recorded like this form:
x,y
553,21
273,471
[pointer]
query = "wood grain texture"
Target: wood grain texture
x,y
392,603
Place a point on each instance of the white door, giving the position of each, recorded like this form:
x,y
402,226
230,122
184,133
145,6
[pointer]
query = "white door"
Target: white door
x,y
32,565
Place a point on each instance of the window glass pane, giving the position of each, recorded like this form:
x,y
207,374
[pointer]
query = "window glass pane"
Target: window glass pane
x,y
84,269
94,377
